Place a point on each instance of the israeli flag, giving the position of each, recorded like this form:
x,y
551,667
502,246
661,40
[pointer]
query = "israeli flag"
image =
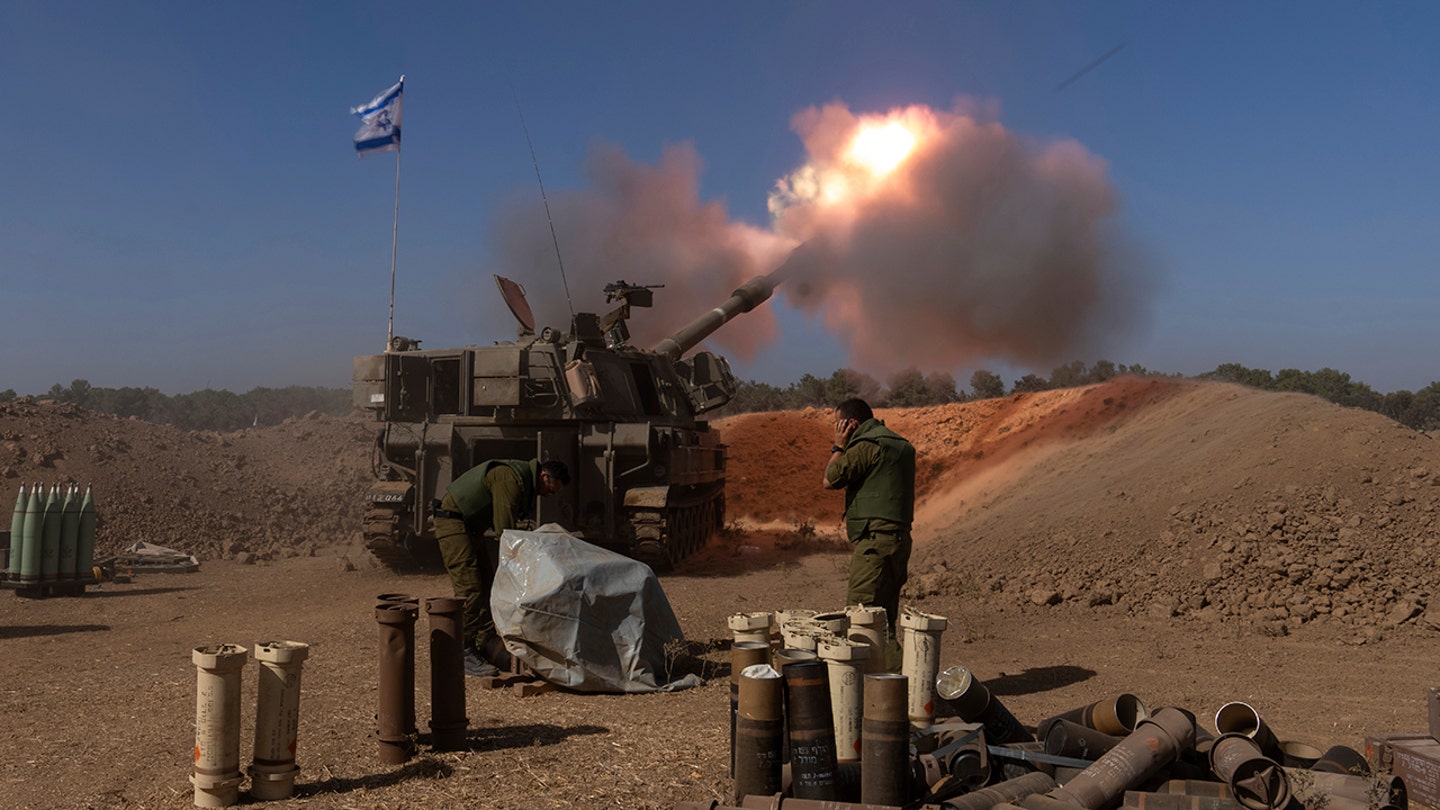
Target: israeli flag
x,y
380,127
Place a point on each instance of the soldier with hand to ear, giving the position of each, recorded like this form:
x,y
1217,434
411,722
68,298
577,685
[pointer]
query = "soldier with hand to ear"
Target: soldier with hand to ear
x,y
876,468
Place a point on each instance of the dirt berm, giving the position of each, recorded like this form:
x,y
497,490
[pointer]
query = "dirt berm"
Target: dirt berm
x,y
1191,543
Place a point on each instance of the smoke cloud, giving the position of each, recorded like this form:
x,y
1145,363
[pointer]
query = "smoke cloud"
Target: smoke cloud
x,y
934,239
644,225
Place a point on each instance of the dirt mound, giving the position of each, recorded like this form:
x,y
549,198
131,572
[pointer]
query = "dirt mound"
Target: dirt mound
x,y
1161,497
1158,496
253,494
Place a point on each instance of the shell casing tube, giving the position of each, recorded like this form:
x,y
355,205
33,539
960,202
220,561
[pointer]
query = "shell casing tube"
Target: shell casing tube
x,y
1116,716
447,673
1257,781
1155,743
811,730
749,627
846,663
868,625
1011,790
17,532
1342,759
85,536
1242,718
969,700
395,713
1385,791
30,532
742,654
758,732
1296,754
277,718
69,536
216,775
885,740
50,536
1070,739
412,602
921,661
1137,800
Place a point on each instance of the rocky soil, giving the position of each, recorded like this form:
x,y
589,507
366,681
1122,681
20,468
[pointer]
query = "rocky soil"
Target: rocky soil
x,y
1190,543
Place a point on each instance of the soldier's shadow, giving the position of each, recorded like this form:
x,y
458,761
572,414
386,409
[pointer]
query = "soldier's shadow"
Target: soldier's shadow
x,y
1038,679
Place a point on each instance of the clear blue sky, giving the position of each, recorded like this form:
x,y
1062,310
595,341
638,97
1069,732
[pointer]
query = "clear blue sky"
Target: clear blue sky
x,y
182,206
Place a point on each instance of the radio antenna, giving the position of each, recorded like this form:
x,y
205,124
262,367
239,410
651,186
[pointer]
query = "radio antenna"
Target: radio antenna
x,y
553,238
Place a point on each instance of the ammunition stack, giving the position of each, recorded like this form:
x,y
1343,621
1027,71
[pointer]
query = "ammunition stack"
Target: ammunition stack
x,y
50,548
931,739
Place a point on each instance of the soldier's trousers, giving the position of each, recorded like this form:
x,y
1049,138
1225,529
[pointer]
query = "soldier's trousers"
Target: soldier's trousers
x,y
471,562
878,569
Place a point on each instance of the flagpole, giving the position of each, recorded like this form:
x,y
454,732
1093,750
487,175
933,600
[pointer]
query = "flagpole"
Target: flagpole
x,y
394,242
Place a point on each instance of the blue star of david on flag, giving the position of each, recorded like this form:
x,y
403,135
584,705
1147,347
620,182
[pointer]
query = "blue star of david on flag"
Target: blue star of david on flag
x,y
380,122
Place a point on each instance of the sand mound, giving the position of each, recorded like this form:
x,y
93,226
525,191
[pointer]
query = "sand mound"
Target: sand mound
x,y
1159,496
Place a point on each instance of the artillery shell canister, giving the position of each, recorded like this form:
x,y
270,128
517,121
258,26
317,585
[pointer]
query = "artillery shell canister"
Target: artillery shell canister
x,y
743,654
750,627
1070,739
277,719
1382,791
1296,754
1135,800
1257,781
395,713
845,662
921,661
758,732
447,673
1342,759
1241,718
1116,715
969,700
217,774
1011,790
811,730
885,740
867,624
1155,743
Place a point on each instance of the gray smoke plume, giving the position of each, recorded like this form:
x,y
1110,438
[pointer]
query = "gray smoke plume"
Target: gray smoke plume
x,y
644,225
960,243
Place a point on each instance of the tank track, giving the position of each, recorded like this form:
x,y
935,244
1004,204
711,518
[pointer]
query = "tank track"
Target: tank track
x,y
664,537
394,547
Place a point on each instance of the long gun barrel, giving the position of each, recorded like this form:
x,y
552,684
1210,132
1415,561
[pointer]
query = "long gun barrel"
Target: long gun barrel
x,y
751,294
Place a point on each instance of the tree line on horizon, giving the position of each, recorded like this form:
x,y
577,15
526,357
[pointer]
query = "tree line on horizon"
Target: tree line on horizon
x,y
207,409
210,409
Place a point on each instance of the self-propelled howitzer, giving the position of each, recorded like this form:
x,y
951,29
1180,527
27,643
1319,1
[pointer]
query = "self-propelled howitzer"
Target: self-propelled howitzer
x,y
647,474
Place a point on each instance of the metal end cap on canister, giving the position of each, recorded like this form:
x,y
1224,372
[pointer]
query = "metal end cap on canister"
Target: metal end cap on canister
x,y
967,696
836,622
282,653
887,696
396,612
912,619
216,790
748,622
834,648
865,615
219,656
444,604
269,783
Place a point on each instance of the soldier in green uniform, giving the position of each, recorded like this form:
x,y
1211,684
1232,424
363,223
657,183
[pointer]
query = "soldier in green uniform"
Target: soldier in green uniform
x,y
491,495
876,468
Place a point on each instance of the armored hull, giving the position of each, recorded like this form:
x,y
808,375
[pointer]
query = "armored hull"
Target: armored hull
x,y
648,474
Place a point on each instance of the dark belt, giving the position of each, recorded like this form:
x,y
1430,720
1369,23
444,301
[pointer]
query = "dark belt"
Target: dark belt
x,y
445,513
